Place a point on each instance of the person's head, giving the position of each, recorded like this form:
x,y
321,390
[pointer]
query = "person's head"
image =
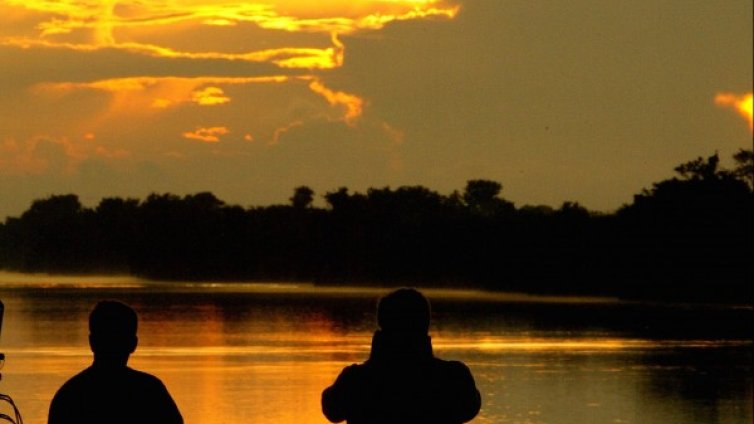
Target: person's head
x,y
112,329
404,311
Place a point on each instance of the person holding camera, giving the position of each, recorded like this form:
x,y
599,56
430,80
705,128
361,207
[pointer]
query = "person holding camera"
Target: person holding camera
x,y
402,381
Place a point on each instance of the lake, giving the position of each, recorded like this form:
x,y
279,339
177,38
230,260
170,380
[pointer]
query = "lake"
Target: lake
x,y
263,353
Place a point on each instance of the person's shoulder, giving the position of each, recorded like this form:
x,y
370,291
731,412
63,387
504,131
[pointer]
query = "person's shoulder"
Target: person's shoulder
x,y
452,368
78,380
354,375
354,370
144,378
450,364
73,387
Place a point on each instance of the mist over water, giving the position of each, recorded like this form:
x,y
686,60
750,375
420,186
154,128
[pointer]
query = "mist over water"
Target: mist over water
x,y
263,353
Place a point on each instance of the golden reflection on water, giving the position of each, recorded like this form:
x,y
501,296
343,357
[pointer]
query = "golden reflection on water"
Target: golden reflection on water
x,y
236,359
269,383
20,280
597,344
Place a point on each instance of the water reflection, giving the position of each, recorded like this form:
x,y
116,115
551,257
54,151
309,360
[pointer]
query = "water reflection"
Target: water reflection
x,y
264,355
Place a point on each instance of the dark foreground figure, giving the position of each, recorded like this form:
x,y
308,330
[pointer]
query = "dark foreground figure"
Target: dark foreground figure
x,y
109,391
402,381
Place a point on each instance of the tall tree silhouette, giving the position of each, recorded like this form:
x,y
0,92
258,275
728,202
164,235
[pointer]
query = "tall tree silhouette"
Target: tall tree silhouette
x,y
482,197
302,198
744,169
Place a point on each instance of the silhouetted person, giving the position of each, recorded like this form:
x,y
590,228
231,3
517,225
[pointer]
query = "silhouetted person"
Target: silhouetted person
x,y
402,381
109,392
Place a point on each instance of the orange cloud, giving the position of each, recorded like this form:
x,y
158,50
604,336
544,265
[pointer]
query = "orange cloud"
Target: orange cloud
x,y
210,96
305,39
742,103
31,157
353,104
207,135
279,132
88,26
140,94
286,57
53,155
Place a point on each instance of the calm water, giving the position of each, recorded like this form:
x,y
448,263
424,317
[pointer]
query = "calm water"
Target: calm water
x,y
263,353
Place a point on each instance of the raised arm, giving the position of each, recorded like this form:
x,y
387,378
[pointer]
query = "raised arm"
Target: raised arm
x,y
467,400
337,401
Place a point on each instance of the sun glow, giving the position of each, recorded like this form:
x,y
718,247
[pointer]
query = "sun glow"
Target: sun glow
x,y
742,103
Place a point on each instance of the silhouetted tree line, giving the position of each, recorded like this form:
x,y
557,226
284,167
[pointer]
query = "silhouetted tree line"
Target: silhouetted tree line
x,y
688,237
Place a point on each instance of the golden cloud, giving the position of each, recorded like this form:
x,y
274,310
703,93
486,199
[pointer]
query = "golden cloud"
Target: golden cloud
x,y
140,94
302,39
352,103
742,103
207,135
210,96
88,26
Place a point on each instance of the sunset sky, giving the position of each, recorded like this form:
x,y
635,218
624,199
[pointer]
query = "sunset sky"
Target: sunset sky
x,y
581,100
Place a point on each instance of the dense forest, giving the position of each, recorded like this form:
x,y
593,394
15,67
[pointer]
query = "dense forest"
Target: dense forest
x,y
686,238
